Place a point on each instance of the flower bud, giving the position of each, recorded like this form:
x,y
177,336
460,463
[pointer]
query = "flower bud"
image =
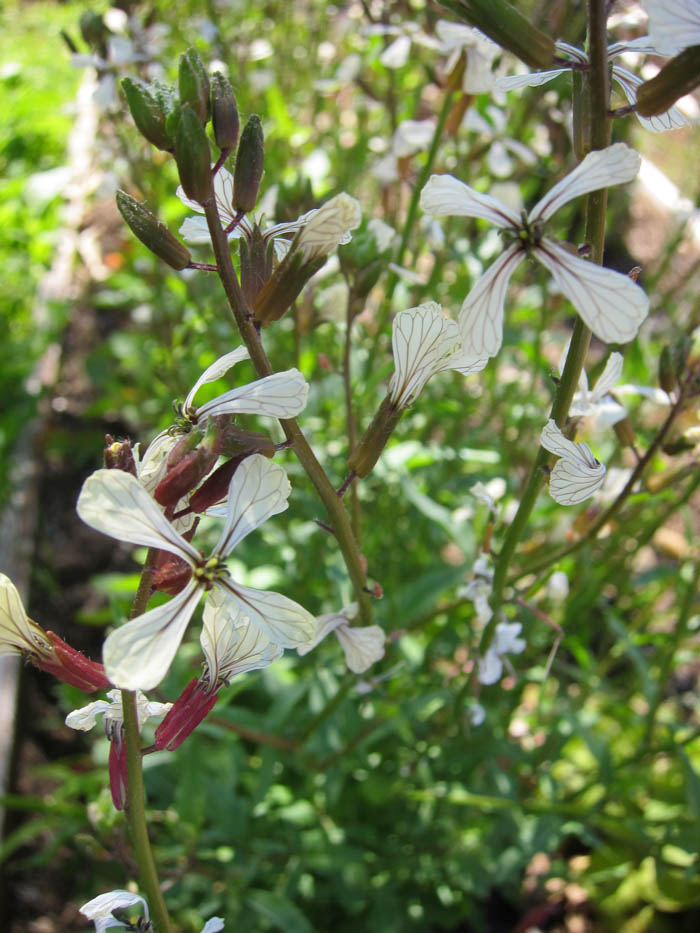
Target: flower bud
x,y
249,165
502,23
189,462
153,234
118,777
224,112
118,455
193,156
171,573
624,432
72,667
149,106
193,84
256,264
186,713
676,79
374,440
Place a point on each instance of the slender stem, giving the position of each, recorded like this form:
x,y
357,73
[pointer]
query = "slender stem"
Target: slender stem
x,y
246,326
136,807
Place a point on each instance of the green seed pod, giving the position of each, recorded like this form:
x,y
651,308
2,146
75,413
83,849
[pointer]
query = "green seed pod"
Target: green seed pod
x,y
224,112
676,79
364,457
147,109
193,156
502,23
193,84
151,232
249,165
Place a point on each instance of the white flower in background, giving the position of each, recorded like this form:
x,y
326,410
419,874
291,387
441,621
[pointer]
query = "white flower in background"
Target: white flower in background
x,y
596,402
482,495
231,645
195,230
505,641
362,646
610,303
480,51
479,590
384,234
577,474
100,909
329,226
281,395
138,655
558,586
410,137
85,718
674,25
672,119
395,55
425,342
476,713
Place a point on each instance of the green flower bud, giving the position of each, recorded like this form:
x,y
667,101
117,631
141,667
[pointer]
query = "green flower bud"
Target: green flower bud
x,y
193,156
256,264
364,457
224,112
147,106
193,84
249,165
502,23
144,225
676,79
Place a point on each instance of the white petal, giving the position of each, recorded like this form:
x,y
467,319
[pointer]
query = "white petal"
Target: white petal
x,y
258,490
481,316
506,639
673,24
671,119
534,79
329,226
216,371
412,136
490,668
152,468
18,634
553,440
421,337
137,655
608,378
115,503
213,926
195,231
476,713
600,168
100,908
231,645
325,624
280,619
396,55
610,303
363,647
569,485
445,196
281,395
85,718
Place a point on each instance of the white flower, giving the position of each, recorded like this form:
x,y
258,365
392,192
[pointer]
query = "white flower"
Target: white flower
x,y
18,634
384,235
231,645
480,52
138,654
674,25
558,586
195,230
505,641
672,119
610,303
85,718
425,342
329,226
476,713
362,646
100,908
482,495
596,402
577,474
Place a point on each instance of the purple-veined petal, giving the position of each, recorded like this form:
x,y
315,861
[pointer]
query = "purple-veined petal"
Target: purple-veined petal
x,y
673,24
115,503
151,469
421,337
608,378
258,490
610,303
217,369
600,169
281,395
481,316
325,624
18,634
571,51
280,619
329,226
569,484
554,440
533,79
671,119
362,646
137,655
231,645
642,45
445,196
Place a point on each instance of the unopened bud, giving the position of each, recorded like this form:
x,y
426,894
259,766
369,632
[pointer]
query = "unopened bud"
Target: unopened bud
x,y
676,79
171,573
502,23
188,465
193,84
72,667
224,112
374,440
193,156
118,777
250,159
153,234
191,707
256,264
150,106
118,455
624,432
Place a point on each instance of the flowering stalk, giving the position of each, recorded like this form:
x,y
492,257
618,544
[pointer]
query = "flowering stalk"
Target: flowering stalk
x,y
314,470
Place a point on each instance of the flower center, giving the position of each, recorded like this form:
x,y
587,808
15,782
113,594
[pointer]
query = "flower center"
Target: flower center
x,y
211,570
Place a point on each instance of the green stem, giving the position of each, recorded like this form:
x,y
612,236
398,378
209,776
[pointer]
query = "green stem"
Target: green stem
x,y
135,806
337,514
